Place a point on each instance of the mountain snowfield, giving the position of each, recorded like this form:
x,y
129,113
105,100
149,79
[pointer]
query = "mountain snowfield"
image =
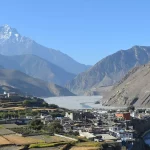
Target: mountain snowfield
x,y
13,43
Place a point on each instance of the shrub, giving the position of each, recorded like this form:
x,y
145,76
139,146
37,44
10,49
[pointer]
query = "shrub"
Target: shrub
x,y
55,127
36,124
53,106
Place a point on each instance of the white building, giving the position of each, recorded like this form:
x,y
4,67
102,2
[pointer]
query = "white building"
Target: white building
x,y
96,137
87,135
121,133
46,117
74,115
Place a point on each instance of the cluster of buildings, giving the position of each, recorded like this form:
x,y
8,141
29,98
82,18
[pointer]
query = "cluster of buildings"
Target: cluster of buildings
x,y
101,125
93,124
96,125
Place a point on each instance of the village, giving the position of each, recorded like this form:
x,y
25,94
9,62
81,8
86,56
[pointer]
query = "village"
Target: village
x,y
29,122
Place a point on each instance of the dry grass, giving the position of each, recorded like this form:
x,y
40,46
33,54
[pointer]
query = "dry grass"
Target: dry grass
x,y
47,109
13,108
18,140
4,141
51,139
84,148
42,145
89,144
58,139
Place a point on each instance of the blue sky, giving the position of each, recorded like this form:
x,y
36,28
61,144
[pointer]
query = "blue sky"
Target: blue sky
x,y
86,30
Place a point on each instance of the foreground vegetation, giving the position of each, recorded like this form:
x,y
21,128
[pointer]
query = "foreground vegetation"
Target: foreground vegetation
x,y
42,145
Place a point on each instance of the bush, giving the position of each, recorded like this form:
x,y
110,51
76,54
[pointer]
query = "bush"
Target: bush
x,y
55,127
35,103
25,131
36,124
82,139
53,106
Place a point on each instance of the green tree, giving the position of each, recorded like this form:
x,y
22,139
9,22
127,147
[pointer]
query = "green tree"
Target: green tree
x,y
34,113
53,106
44,104
5,115
55,127
26,103
36,124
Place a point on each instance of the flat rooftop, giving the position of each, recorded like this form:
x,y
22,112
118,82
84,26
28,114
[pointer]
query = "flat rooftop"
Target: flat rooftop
x,y
106,136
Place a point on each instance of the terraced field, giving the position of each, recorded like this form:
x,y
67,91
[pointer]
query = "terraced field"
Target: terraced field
x,y
19,140
10,148
4,141
4,131
51,139
84,148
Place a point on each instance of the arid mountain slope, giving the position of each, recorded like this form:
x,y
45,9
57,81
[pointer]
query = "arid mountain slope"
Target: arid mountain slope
x,y
133,89
30,85
111,69
37,67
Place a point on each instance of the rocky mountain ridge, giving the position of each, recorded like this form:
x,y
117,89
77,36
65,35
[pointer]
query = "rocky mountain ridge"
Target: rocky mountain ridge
x,y
110,70
133,89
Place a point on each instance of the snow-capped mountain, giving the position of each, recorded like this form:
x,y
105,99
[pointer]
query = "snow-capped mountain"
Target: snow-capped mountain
x,y
13,43
8,34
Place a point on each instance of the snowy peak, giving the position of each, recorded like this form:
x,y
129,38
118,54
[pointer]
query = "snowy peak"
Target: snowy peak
x,y
11,35
6,29
6,32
